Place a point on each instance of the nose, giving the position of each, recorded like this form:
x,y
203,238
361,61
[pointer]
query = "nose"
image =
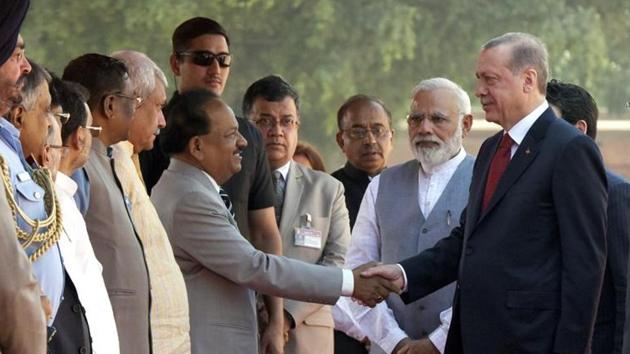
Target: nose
x,y
25,66
161,120
241,142
214,66
480,89
369,138
275,129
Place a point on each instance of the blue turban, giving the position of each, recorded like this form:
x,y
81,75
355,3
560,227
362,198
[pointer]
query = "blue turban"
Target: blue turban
x,y
12,13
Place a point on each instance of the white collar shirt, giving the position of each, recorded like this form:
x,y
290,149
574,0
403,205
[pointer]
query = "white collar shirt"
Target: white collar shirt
x,y
432,183
85,270
520,129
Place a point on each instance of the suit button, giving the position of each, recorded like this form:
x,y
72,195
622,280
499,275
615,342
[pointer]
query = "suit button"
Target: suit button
x,y
76,308
424,231
469,250
83,350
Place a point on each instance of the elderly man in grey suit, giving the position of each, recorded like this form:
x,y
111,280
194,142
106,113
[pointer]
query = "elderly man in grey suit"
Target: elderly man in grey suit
x,y
221,267
310,208
433,187
108,220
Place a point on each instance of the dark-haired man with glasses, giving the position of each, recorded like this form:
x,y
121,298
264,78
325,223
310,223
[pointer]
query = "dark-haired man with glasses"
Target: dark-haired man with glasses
x,y
365,137
201,59
310,208
408,208
108,219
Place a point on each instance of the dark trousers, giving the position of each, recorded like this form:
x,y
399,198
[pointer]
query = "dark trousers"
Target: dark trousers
x,y
348,345
73,334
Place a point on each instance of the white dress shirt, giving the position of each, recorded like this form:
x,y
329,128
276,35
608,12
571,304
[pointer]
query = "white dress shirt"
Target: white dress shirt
x,y
379,323
85,271
520,129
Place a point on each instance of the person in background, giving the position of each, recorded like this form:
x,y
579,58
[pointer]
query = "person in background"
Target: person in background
x,y
576,106
307,155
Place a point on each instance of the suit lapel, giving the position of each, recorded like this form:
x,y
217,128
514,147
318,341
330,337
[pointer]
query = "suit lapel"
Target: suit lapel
x,y
525,154
292,196
479,185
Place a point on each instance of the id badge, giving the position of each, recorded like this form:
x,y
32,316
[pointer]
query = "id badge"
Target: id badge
x,y
307,237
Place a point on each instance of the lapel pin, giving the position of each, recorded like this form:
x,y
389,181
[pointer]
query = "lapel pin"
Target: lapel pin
x,y
527,151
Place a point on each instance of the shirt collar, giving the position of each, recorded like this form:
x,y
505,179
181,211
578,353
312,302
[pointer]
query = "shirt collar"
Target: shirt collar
x,y
520,129
66,184
452,163
284,170
354,172
215,185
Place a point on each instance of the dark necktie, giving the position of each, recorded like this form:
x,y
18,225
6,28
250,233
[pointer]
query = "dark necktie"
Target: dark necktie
x,y
227,201
498,165
279,184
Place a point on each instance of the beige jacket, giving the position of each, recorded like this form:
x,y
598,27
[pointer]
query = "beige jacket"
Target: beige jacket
x,y
170,325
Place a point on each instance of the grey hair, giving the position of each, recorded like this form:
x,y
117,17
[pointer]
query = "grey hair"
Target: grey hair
x,y
526,51
440,83
32,80
143,71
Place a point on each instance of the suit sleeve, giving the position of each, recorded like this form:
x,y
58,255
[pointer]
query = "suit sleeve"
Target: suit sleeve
x,y
203,231
22,325
579,192
436,267
618,236
333,253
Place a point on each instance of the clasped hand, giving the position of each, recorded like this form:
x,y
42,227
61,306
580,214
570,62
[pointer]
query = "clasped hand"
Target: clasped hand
x,y
374,282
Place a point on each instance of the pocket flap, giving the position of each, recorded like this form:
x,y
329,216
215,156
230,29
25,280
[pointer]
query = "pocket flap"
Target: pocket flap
x,y
528,299
323,318
29,190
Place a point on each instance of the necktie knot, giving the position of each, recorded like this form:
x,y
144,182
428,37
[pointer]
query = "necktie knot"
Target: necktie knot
x,y
506,142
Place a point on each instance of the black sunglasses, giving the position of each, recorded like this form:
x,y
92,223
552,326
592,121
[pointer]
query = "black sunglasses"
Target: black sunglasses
x,y
205,58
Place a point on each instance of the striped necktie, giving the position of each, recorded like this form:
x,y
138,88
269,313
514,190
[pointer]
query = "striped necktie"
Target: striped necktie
x,y
227,201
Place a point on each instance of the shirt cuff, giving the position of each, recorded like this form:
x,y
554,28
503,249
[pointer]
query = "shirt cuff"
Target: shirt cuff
x,y
389,343
347,284
438,338
404,288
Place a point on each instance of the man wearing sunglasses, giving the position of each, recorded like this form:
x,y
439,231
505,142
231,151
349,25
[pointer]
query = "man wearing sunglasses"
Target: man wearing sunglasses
x,y
117,246
22,323
201,59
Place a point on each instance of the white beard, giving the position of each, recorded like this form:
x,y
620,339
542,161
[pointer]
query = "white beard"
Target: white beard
x,y
434,156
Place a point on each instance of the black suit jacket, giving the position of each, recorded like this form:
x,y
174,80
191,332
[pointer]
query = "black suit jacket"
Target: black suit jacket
x,y
609,324
530,267
355,182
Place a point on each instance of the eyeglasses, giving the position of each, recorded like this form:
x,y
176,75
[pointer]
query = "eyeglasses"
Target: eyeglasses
x,y
94,131
415,119
55,146
63,117
284,123
360,133
136,99
205,58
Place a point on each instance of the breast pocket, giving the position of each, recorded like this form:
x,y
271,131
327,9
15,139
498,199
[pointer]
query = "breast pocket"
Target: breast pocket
x,y
30,198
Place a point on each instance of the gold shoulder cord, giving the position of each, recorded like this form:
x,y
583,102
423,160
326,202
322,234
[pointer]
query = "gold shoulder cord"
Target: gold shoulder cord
x,y
52,223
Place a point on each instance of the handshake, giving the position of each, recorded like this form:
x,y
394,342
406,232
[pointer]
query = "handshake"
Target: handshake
x,y
373,282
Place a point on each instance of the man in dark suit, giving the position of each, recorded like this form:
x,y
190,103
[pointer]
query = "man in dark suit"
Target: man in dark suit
x,y
529,253
575,105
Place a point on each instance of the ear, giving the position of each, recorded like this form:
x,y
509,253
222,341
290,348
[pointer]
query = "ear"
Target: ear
x,y
174,64
530,80
582,126
195,147
16,116
108,106
339,137
467,122
77,139
46,159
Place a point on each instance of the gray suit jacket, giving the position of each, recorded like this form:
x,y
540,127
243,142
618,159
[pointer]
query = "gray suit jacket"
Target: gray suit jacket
x,y
22,325
322,197
221,267
119,250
